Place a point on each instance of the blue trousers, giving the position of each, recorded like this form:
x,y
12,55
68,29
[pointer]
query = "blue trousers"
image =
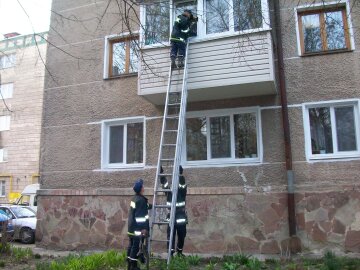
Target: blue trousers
x,y
178,49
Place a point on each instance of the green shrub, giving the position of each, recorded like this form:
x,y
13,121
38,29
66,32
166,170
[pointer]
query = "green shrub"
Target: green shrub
x,y
230,266
193,260
331,261
5,248
254,264
21,254
157,264
241,259
2,264
210,266
179,263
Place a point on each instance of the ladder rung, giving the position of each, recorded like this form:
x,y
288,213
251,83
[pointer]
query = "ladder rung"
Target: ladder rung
x,y
174,104
159,240
163,190
170,130
161,223
162,206
172,117
169,144
165,174
167,159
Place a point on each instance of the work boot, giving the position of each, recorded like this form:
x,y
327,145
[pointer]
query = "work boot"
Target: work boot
x,y
181,62
179,253
134,266
128,264
173,63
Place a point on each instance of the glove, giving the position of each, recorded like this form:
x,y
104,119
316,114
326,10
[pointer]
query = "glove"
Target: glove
x,y
195,19
161,169
149,206
144,232
181,169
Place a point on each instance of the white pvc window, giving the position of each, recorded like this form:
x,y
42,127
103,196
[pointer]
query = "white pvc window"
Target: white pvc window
x,y
123,143
4,122
7,61
332,130
216,18
223,136
6,90
3,154
2,188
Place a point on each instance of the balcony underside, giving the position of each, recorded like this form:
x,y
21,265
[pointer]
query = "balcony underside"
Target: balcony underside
x,y
220,92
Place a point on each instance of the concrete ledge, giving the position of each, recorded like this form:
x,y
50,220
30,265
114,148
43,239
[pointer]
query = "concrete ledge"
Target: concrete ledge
x,y
198,190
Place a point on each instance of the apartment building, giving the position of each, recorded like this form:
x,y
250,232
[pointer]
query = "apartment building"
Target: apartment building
x,y
22,65
254,78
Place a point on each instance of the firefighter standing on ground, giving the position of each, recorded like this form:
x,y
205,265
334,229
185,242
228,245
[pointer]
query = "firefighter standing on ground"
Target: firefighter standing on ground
x,y
138,223
180,214
184,27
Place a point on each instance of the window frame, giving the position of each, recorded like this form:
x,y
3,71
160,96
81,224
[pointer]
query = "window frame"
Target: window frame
x,y
202,36
105,146
322,8
307,131
108,52
2,183
225,161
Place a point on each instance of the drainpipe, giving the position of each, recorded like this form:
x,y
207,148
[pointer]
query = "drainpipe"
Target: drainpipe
x,y
285,121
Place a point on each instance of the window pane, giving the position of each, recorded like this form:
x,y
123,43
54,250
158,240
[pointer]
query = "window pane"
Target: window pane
x,y
345,128
335,30
191,5
320,128
6,90
135,143
134,59
220,137
245,136
196,147
247,14
217,16
312,33
118,58
157,23
116,144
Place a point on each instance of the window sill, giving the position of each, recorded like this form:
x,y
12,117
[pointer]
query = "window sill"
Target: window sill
x,y
122,167
327,52
223,163
133,74
325,157
211,37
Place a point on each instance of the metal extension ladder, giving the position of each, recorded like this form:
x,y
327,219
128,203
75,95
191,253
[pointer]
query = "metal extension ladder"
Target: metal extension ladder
x,y
169,156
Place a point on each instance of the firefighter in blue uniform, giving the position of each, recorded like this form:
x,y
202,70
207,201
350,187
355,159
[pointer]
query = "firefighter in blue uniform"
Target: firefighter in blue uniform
x,y
184,27
138,223
180,214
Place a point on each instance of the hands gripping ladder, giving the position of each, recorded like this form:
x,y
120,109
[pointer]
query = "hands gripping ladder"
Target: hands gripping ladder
x,y
169,156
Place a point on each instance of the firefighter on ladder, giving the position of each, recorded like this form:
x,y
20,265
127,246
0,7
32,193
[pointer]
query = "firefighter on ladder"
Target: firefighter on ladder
x,y
184,27
180,214
138,224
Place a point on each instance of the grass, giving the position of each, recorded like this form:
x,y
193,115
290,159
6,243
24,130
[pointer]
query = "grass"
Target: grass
x,y
111,260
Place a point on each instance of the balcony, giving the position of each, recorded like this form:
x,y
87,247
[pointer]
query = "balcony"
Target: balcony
x,y
219,68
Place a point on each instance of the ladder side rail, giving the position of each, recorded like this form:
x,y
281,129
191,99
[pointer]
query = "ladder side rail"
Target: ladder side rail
x,y
175,179
153,214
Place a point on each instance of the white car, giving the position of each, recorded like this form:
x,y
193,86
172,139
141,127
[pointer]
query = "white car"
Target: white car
x,y
24,222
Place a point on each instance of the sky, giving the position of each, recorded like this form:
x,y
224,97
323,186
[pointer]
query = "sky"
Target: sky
x,y
14,19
